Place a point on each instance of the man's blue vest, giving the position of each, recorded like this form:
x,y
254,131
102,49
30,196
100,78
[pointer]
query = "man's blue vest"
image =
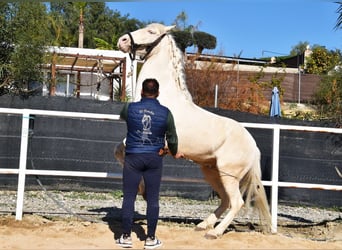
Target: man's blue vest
x,y
146,126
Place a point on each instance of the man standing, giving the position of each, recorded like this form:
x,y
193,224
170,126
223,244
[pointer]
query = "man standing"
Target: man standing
x,y
148,125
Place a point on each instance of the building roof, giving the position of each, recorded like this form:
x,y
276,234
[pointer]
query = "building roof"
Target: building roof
x,y
86,60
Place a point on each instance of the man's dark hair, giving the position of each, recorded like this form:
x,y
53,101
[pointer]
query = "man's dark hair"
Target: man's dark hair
x,y
150,87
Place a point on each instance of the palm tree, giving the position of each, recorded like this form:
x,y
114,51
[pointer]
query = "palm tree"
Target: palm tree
x,y
81,6
181,20
339,19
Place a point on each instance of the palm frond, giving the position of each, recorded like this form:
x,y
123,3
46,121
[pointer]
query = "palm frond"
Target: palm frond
x,y
339,19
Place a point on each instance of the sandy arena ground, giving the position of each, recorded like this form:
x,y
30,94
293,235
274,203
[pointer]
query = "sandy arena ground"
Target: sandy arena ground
x,y
38,232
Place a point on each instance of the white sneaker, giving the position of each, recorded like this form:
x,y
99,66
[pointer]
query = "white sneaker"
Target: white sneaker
x,y
152,243
124,241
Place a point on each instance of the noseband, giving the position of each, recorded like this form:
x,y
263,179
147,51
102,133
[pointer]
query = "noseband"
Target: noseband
x,y
149,46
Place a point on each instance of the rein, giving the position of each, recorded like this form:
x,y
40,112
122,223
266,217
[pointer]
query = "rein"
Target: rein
x,y
149,46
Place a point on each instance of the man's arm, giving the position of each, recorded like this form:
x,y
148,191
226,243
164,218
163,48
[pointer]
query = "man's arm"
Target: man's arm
x,y
171,135
124,112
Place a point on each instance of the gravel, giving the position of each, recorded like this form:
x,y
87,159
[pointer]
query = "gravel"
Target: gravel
x,y
99,206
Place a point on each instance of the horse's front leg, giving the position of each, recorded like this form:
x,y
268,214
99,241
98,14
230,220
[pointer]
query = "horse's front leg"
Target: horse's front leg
x,y
236,202
210,221
211,175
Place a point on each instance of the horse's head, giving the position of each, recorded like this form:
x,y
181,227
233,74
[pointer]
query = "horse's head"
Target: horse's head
x,y
142,41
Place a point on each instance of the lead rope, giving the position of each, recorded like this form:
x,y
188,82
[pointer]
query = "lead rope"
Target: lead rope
x,y
99,77
132,80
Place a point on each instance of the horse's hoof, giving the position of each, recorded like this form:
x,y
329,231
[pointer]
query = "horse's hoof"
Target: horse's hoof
x,y
211,235
201,226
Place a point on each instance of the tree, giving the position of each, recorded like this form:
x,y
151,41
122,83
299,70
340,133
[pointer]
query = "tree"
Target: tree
x,y
181,21
108,26
27,45
204,40
321,61
299,48
81,7
339,18
101,23
188,35
102,44
56,27
183,39
26,28
6,47
69,16
329,96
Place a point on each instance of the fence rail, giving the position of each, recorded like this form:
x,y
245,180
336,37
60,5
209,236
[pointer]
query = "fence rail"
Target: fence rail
x,y
274,183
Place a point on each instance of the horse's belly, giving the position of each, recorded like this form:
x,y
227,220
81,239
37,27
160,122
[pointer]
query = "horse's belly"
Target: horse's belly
x,y
205,140
196,146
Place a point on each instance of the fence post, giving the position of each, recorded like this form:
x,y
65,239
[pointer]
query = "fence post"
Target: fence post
x,y
22,164
275,177
216,95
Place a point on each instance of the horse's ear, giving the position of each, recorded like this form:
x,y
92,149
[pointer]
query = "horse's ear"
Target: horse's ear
x,y
168,28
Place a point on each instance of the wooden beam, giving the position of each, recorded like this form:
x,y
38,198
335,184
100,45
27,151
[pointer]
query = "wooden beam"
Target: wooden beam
x,y
75,61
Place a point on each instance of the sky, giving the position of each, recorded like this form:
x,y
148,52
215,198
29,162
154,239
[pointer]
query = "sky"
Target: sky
x,y
249,28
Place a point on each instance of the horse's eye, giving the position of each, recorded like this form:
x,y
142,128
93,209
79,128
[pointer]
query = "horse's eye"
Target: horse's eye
x,y
151,32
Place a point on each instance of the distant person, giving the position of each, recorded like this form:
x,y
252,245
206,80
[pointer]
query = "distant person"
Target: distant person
x,y
148,125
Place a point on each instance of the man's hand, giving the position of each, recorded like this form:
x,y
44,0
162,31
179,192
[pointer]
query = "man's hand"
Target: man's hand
x,y
163,151
179,155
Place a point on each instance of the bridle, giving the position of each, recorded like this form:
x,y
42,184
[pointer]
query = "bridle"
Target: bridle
x,y
149,46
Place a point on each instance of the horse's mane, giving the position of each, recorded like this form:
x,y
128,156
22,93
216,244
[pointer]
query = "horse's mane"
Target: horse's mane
x,y
177,59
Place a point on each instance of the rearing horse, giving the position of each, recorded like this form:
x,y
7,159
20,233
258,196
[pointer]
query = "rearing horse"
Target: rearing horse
x,y
225,150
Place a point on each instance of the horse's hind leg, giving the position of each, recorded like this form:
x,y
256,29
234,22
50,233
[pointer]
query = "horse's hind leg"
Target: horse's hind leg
x,y
236,202
212,176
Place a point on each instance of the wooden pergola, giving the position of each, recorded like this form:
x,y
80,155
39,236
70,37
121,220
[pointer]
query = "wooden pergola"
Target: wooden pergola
x,y
112,67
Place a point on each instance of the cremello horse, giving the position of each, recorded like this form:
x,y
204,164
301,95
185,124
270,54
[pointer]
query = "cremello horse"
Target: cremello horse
x,y
225,150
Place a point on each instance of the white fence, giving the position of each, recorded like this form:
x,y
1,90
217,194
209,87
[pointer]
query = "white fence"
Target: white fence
x,y
274,183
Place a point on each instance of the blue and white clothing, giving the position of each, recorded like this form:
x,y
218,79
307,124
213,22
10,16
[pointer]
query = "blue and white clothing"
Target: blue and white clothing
x,y
148,125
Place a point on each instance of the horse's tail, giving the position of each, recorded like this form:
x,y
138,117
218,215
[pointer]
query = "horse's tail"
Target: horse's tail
x,y
119,153
252,189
